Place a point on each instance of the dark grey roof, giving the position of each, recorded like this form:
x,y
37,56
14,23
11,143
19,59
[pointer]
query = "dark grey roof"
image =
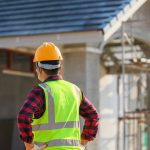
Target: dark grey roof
x,y
28,17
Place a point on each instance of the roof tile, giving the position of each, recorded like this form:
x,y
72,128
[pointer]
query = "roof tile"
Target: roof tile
x,y
27,17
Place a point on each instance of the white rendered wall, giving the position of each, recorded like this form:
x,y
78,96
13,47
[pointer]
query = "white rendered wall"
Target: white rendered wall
x,y
108,111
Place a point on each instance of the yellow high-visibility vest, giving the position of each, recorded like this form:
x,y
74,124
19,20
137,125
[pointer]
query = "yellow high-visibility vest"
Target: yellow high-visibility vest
x,y
59,126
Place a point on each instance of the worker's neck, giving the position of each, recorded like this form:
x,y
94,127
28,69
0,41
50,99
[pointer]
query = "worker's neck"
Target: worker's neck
x,y
46,76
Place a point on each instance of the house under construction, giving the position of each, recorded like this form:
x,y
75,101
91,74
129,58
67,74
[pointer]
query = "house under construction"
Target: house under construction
x,y
98,39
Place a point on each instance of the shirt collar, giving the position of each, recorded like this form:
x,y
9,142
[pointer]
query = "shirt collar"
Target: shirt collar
x,y
54,77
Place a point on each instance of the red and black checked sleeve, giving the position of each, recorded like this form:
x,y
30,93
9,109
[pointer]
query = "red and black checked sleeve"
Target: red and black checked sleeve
x,y
33,105
91,116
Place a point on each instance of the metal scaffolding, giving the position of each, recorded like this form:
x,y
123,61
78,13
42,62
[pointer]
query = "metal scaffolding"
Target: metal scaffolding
x,y
132,119
128,58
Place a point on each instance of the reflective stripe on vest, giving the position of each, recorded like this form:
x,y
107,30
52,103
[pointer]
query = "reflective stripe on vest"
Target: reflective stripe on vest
x,y
52,125
61,142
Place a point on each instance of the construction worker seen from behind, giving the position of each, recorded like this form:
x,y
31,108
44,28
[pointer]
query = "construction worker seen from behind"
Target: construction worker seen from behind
x,y
49,117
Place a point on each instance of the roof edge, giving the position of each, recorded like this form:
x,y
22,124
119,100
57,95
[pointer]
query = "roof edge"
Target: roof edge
x,y
123,16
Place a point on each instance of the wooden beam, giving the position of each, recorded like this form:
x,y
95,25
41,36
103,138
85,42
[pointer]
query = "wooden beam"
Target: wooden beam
x,y
9,60
18,73
31,64
129,118
129,69
22,51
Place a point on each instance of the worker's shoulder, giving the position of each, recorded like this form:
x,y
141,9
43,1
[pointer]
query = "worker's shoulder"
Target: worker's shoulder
x,y
35,91
37,88
76,86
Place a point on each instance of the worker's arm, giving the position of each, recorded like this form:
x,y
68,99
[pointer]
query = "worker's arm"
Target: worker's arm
x,y
33,105
91,116
84,141
29,146
34,147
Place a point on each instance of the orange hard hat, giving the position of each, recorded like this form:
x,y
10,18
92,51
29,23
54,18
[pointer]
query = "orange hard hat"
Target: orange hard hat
x,y
47,52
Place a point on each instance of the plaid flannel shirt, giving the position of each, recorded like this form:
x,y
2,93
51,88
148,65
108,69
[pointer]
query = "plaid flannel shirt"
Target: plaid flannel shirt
x,y
35,104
